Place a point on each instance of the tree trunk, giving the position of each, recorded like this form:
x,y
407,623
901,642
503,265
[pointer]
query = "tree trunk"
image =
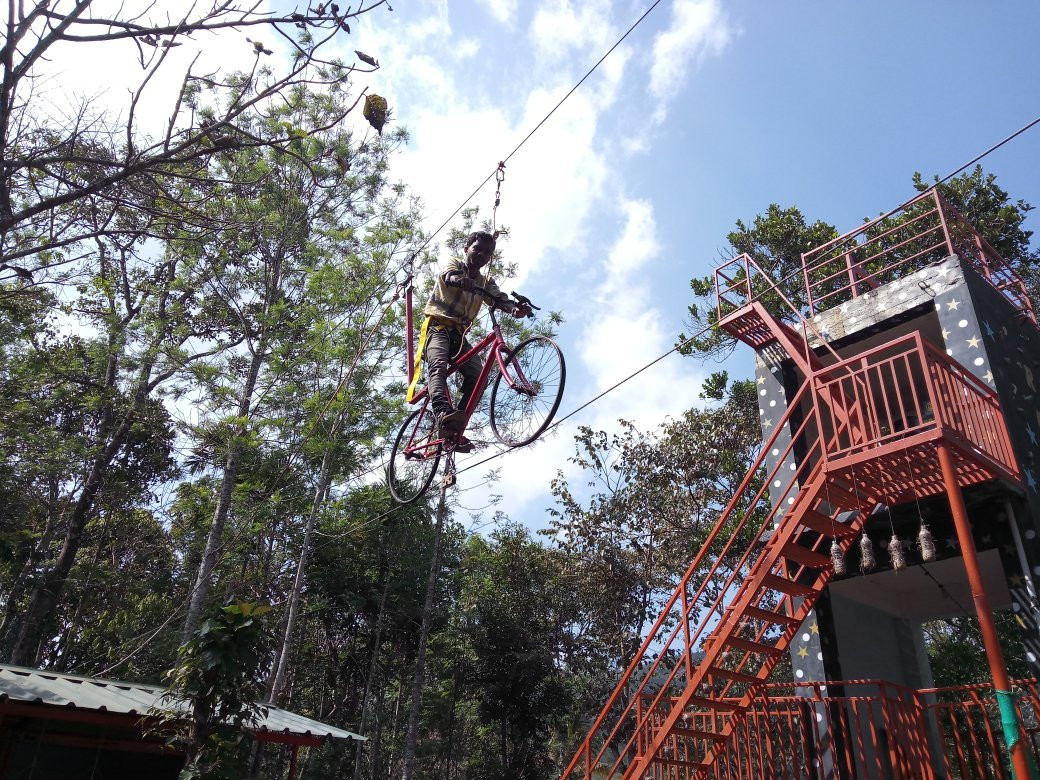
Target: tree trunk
x,y
204,581
373,667
412,735
274,687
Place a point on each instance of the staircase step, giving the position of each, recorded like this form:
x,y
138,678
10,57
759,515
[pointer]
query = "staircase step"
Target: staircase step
x,y
752,647
718,705
709,736
767,616
824,525
670,762
783,585
730,674
805,556
838,496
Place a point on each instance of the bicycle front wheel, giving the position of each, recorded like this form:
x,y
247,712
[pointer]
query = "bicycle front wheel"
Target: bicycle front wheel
x,y
525,399
414,458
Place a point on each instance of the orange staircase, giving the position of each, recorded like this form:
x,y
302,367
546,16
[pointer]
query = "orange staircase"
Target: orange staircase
x,y
744,597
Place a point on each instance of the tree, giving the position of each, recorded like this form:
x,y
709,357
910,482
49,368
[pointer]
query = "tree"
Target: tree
x,y
72,180
777,239
649,502
514,616
318,244
997,217
79,200
218,680
85,446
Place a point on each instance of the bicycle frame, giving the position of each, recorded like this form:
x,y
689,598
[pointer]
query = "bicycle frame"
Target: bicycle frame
x,y
497,344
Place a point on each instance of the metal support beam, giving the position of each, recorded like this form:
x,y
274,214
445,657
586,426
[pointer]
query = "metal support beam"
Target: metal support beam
x,y
997,668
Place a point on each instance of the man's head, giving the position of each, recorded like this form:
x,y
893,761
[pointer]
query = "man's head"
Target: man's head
x,y
479,248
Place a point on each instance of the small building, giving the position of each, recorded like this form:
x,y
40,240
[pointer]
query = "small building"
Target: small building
x,y
65,725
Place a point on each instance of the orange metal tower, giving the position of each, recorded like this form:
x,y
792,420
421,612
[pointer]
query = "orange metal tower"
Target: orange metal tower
x,y
879,389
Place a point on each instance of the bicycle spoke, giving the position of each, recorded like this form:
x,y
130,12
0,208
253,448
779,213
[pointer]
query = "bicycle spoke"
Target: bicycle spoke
x,y
524,403
414,458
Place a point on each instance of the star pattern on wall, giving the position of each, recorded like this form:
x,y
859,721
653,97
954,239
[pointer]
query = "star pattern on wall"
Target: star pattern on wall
x,y
970,339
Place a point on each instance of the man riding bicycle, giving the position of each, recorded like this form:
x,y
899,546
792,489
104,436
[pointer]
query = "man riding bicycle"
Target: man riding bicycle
x,y
452,307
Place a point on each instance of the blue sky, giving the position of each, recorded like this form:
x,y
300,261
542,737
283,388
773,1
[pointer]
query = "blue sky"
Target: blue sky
x,y
708,113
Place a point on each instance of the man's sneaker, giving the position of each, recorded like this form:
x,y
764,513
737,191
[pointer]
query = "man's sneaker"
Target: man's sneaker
x,y
463,445
451,422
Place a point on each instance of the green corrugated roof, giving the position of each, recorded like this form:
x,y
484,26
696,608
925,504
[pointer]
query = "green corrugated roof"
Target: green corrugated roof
x,y
18,683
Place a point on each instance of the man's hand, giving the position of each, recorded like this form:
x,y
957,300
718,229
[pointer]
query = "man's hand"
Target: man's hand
x,y
523,310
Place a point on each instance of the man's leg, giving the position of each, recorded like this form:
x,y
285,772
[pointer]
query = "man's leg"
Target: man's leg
x,y
470,371
438,351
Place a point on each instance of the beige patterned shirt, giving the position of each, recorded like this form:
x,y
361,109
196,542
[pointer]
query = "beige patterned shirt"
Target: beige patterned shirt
x,y
453,306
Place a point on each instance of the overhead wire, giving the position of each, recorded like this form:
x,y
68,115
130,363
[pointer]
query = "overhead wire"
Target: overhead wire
x,y
538,126
494,173
696,335
390,280
943,180
704,330
370,521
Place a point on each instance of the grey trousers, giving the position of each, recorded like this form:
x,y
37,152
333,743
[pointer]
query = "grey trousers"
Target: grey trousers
x,y
441,345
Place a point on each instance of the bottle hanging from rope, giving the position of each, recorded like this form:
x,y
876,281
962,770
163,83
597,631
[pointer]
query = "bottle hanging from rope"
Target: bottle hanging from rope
x,y
867,562
926,544
837,558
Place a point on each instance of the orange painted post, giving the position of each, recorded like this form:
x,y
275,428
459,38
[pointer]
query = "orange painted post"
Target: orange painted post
x,y
292,762
997,668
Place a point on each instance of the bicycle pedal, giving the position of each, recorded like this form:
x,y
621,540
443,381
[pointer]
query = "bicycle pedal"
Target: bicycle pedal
x,y
448,480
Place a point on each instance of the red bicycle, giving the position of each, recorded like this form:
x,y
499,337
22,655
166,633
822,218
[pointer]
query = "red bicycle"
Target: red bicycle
x,y
527,389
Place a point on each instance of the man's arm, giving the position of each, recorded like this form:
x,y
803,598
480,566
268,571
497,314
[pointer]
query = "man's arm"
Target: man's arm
x,y
509,306
457,276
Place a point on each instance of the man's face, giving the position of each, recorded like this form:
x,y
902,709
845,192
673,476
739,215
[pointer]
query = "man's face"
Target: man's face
x,y
478,254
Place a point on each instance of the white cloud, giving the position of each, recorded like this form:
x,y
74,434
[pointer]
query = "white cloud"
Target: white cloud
x,y
696,29
503,11
626,331
561,27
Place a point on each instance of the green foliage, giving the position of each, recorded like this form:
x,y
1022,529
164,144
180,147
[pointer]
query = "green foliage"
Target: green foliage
x,y
646,508
999,219
775,241
515,614
957,654
218,680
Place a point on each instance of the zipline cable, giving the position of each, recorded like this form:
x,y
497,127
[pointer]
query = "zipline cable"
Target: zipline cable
x,y
369,522
946,178
537,127
678,346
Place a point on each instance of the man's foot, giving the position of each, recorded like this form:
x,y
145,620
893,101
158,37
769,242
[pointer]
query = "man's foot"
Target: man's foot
x,y
450,422
463,445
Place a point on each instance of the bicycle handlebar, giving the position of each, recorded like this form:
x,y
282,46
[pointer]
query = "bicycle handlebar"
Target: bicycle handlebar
x,y
521,300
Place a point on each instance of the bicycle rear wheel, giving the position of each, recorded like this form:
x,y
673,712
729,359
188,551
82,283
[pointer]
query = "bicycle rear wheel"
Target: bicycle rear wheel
x,y
414,457
522,410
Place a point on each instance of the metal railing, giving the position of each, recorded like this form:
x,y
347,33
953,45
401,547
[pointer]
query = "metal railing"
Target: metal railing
x,y
925,231
875,729
877,399
885,396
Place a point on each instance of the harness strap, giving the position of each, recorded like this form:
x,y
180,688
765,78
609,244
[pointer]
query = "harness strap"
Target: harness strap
x,y
417,367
